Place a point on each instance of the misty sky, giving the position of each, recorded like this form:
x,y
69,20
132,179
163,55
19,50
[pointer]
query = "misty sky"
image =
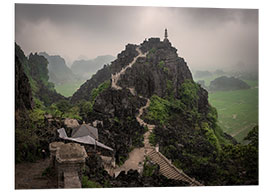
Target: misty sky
x,y
205,38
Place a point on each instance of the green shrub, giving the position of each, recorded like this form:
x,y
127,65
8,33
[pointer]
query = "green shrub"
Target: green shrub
x,y
86,183
169,89
161,64
158,109
152,139
152,51
96,91
189,94
148,169
210,135
164,68
37,118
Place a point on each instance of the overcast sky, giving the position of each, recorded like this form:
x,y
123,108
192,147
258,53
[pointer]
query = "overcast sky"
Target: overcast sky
x,y
205,38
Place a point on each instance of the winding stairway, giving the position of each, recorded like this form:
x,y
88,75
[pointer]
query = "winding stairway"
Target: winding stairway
x,y
166,167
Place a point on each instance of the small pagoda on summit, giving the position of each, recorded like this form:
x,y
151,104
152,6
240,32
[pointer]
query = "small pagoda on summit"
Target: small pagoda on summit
x,y
166,34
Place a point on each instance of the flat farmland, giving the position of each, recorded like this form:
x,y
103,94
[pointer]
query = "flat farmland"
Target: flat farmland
x,y
237,110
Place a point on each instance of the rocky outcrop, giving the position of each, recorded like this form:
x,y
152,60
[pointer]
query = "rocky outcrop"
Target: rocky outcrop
x,y
152,74
123,59
118,103
23,91
149,75
224,83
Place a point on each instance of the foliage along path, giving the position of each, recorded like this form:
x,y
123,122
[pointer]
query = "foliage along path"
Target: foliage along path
x,y
137,156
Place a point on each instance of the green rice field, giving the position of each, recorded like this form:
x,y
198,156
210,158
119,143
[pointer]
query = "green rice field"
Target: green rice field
x,y
237,110
68,89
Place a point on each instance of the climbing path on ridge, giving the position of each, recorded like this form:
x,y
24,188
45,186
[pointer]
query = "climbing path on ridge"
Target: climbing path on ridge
x,y
137,156
116,77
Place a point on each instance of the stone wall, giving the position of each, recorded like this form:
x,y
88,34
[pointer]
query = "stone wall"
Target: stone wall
x,y
69,161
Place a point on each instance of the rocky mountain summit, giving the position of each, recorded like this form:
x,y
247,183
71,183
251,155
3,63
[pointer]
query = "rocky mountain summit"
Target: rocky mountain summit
x,y
160,73
152,77
149,75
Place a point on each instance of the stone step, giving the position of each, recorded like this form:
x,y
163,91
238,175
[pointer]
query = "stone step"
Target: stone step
x,y
173,175
166,168
159,160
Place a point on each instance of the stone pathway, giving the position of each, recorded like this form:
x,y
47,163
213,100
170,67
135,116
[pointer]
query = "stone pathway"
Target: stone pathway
x,y
116,77
136,156
147,145
29,176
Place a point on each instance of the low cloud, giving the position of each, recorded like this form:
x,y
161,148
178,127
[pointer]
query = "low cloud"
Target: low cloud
x,y
206,38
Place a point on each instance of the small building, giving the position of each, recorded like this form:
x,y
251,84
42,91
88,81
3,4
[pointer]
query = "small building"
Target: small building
x,y
84,130
84,134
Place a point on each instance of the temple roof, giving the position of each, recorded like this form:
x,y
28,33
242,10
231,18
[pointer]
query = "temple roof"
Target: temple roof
x,y
86,139
84,130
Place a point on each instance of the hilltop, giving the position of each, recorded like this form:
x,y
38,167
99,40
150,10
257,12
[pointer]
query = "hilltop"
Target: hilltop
x,y
186,127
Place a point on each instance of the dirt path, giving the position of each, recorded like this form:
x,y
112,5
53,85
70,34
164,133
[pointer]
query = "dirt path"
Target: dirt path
x,y
29,176
147,145
136,156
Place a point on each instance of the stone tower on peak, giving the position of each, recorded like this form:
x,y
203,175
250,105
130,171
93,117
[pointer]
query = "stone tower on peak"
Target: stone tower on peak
x,y
166,34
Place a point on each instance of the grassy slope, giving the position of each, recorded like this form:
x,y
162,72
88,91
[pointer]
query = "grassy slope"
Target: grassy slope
x,y
68,89
237,110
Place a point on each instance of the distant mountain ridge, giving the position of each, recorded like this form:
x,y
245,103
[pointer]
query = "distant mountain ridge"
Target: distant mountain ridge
x,y
36,70
59,72
86,68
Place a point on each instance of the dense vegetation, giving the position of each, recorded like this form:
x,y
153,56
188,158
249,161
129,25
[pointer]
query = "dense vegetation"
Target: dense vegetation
x,y
33,131
196,144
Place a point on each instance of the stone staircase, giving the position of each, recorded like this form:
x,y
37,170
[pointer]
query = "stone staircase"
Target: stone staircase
x,y
169,170
115,77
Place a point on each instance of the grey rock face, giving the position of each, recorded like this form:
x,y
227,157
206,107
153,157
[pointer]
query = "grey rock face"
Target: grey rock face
x,y
151,74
